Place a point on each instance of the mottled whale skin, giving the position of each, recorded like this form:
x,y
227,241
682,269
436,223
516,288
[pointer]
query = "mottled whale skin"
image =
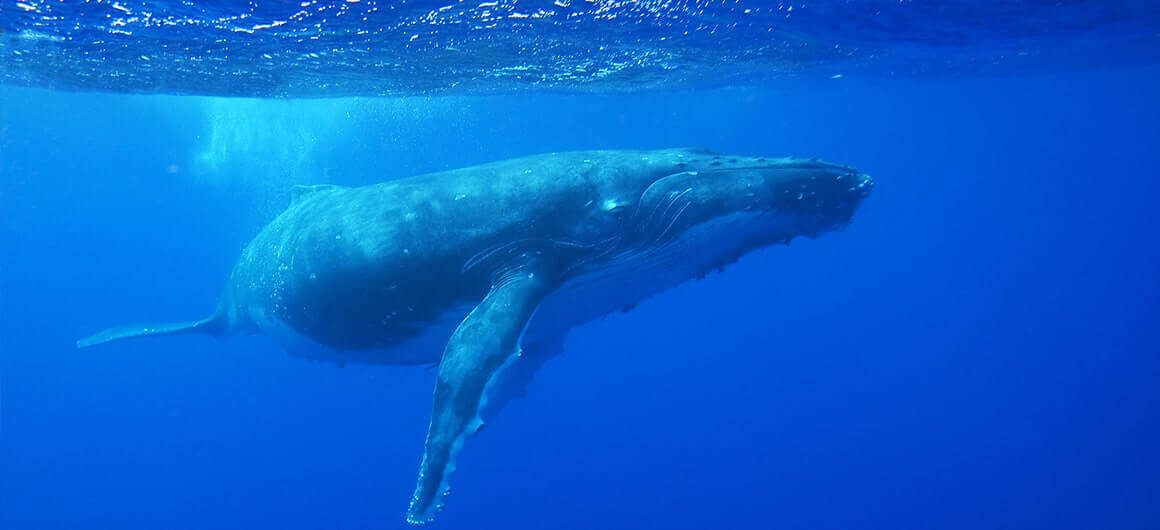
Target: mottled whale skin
x,y
484,269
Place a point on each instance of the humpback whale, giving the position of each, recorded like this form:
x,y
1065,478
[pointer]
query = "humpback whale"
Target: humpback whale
x,y
484,269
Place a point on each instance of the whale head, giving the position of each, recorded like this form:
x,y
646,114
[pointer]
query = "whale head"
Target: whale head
x,y
693,211
774,199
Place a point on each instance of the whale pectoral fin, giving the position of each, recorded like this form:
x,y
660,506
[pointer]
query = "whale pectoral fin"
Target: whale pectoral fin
x,y
478,349
513,383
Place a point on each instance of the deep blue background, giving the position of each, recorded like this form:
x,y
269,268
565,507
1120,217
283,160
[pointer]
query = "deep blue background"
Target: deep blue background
x,y
977,350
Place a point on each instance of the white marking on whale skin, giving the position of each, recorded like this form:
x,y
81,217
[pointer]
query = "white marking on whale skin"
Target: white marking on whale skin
x,y
486,253
424,347
515,245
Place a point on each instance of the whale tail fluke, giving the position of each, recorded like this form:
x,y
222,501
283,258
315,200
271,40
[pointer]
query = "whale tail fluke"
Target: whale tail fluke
x,y
212,325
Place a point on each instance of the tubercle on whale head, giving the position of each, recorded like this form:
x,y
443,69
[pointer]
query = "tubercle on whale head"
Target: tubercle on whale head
x,y
828,194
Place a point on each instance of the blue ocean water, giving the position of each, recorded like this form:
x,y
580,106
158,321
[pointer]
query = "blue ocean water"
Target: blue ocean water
x,y
976,350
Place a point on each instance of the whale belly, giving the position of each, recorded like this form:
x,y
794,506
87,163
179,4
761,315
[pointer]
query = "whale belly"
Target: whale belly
x,y
423,344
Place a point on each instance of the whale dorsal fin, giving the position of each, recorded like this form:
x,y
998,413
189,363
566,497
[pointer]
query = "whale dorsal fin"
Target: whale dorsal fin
x,y
300,191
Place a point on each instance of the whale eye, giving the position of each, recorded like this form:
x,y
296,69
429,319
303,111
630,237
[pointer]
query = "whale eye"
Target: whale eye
x,y
614,207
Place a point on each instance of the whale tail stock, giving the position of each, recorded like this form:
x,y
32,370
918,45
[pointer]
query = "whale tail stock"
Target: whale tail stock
x,y
212,325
